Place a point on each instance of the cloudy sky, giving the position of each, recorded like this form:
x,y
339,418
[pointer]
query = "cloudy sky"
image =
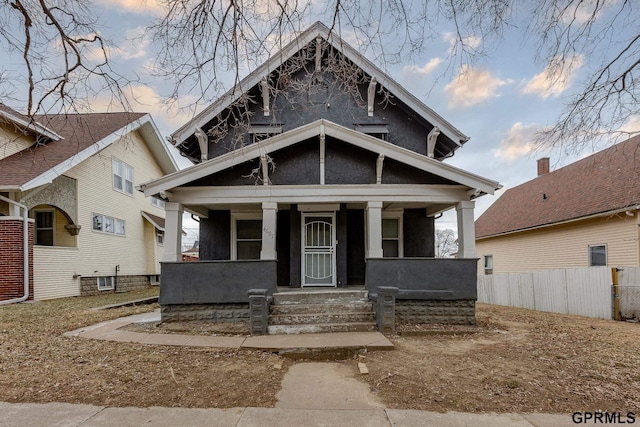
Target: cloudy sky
x,y
499,101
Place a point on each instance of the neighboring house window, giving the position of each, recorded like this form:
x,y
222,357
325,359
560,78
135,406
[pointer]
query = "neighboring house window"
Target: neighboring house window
x,y
122,177
597,255
392,246
488,264
107,224
247,237
105,283
160,237
45,221
157,202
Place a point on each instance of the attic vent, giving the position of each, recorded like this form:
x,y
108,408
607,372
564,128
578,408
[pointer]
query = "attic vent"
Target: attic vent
x,y
380,131
261,132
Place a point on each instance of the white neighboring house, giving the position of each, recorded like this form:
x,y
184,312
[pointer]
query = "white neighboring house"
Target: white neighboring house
x,y
91,230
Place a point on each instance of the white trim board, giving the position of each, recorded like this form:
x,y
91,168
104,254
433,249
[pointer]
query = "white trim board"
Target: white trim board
x,y
317,129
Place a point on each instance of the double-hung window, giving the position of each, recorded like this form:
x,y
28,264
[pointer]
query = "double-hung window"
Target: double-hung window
x,y
45,220
488,264
597,255
247,236
392,246
122,177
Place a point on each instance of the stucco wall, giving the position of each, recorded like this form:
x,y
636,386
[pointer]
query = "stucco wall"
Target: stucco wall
x,y
563,246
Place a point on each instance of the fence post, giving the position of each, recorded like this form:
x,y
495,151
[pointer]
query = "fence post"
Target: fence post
x,y
615,296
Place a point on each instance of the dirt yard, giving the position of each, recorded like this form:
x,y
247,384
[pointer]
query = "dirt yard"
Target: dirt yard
x,y
514,361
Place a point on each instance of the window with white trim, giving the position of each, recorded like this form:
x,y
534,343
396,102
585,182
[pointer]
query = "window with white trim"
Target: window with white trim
x,y
392,245
108,224
122,177
45,231
157,202
105,283
160,237
597,255
488,264
246,236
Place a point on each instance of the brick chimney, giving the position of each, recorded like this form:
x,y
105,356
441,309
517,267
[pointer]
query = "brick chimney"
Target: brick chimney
x,y
543,166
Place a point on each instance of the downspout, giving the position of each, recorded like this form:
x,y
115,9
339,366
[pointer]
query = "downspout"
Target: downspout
x,y
25,247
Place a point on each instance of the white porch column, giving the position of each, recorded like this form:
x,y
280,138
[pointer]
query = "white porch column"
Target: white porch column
x,y
173,232
466,230
374,229
269,220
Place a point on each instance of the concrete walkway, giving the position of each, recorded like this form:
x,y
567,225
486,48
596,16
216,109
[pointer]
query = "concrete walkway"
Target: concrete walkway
x,y
68,415
313,394
287,343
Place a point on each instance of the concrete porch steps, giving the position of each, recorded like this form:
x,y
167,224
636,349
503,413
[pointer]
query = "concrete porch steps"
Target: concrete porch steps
x,y
319,310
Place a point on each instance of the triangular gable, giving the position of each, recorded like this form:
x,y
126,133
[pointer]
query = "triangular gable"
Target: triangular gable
x,y
18,172
316,129
273,63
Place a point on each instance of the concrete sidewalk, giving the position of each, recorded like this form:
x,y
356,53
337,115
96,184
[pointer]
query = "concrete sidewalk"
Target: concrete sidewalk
x,y
68,415
330,341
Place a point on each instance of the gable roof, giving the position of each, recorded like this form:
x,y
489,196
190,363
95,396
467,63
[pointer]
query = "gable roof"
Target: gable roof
x,y
599,184
319,127
275,61
24,123
80,136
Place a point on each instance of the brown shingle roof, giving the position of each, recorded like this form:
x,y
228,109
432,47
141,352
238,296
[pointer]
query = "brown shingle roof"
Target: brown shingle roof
x,y
602,182
78,131
155,220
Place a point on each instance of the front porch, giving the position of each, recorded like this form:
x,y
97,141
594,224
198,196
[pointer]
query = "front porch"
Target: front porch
x,y
429,290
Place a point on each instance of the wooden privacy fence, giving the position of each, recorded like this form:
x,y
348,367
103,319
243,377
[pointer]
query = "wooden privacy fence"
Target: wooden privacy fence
x,y
582,291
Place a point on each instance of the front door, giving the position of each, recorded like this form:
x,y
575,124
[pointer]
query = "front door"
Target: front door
x,y
318,250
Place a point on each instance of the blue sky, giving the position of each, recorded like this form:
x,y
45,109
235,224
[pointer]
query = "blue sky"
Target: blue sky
x,y
499,100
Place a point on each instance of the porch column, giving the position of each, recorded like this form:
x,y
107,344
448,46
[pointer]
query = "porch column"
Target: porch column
x,y
466,230
374,229
173,232
269,220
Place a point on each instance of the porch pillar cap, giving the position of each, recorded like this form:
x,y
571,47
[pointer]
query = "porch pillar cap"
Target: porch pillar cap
x,y
388,290
257,292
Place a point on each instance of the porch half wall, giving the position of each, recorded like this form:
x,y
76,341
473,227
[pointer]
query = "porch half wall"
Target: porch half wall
x,y
215,282
430,290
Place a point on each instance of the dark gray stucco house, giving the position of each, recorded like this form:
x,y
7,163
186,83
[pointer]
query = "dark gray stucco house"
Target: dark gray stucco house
x,y
319,170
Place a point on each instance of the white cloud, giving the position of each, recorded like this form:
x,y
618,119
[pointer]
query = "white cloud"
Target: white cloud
x,y
632,125
145,99
555,78
426,69
472,86
471,42
133,46
517,143
582,12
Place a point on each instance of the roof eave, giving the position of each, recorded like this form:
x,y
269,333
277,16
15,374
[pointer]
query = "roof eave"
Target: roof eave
x,y
635,206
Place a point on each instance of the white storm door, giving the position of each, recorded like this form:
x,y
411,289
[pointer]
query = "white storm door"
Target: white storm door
x,y
318,250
